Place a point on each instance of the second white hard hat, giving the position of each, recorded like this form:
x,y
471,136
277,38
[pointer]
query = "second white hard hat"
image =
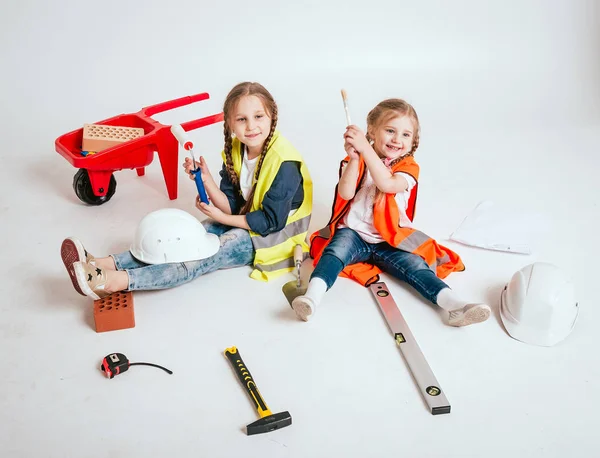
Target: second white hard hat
x,y
172,235
538,305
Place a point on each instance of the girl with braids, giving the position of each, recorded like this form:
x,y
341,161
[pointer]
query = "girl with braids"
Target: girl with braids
x,y
371,230
260,210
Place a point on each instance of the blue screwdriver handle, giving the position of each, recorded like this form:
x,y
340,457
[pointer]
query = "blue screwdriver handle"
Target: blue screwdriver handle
x,y
197,174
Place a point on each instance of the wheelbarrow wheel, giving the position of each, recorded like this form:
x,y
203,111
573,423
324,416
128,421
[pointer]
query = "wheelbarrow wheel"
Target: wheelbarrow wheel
x,y
83,188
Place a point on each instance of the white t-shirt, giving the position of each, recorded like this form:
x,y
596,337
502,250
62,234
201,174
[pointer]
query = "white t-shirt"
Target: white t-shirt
x,y
360,215
247,174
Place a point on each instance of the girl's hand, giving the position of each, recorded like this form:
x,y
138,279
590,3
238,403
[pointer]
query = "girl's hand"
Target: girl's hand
x,y
209,210
352,153
188,165
355,138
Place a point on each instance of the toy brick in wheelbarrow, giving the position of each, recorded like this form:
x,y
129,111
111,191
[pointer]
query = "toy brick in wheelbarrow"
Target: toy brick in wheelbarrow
x,y
129,142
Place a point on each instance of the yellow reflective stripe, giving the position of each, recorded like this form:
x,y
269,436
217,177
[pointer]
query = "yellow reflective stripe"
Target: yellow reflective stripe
x,y
285,264
275,238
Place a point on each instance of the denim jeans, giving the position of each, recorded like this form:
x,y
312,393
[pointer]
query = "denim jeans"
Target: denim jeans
x,y
347,248
236,250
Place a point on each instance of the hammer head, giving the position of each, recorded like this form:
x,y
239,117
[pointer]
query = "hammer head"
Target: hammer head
x,y
269,423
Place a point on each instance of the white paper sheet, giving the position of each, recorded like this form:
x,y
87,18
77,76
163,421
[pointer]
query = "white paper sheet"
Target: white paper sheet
x,y
493,227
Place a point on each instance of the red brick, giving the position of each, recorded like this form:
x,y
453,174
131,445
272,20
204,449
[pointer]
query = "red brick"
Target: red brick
x,y
114,312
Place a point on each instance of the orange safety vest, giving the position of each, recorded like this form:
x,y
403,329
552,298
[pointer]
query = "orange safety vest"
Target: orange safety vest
x,y
386,216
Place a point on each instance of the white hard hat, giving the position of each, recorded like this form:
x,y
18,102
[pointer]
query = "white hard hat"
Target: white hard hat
x,y
538,306
172,235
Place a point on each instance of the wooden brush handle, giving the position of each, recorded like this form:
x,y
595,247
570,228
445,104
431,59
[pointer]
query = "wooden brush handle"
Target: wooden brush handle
x,y
298,255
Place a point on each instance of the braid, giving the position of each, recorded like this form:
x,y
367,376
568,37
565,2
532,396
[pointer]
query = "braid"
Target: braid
x,y
246,208
415,144
229,160
379,194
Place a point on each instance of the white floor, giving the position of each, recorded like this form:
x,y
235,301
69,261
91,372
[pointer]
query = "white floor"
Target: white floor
x,y
510,110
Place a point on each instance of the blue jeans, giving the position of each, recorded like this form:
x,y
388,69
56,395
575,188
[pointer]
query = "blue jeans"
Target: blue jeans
x,y
346,248
236,250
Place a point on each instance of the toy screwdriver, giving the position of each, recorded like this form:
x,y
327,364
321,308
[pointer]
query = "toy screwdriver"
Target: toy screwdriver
x,y
187,144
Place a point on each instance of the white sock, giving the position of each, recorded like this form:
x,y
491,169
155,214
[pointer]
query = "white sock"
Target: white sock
x,y
316,290
448,300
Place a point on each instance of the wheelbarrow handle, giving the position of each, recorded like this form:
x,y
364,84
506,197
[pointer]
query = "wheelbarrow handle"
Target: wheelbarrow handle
x,y
202,122
171,104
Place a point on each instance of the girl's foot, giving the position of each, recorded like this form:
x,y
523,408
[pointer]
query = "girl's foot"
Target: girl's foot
x,y
96,282
304,307
469,314
72,251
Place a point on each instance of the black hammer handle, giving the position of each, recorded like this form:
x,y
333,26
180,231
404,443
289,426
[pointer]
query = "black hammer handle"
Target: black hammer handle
x,y
245,377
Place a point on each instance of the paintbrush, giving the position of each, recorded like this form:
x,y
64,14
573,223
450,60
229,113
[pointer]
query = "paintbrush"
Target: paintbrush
x,y
345,99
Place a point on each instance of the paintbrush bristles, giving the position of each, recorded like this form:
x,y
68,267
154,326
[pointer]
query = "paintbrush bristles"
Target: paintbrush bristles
x,y
345,99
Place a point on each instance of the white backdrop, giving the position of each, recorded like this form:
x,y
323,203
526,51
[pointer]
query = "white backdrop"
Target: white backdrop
x,y
509,101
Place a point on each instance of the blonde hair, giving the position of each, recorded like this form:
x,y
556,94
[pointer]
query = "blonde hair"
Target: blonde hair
x,y
390,109
234,96
382,113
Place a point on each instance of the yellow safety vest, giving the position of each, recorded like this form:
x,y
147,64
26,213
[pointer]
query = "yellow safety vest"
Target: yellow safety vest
x,y
274,254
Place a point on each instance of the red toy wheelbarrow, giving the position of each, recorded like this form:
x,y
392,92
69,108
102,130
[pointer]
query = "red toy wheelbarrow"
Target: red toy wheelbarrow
x,y
95,184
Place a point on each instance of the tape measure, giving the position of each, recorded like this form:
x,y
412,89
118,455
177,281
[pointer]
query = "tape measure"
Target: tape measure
x,y
117,363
